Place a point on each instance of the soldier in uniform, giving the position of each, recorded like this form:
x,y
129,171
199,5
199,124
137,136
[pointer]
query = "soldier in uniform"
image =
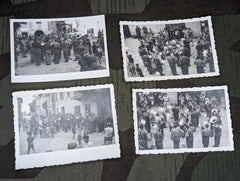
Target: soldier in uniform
x,y
210,60
206,132
95,49
30,140
139,71
172,62
142,138
200,64
158,139
138,32
24,46
176,134
184,62
159,65
66,49
56,51
32,58
189,136
37,50
48,51
217,135
76,42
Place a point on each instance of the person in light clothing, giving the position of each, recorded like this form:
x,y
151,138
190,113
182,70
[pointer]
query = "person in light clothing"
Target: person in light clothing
x,y
86,142
108,134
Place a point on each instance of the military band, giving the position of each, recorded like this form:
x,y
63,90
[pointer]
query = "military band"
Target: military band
x,y
58,49
194,114
168,47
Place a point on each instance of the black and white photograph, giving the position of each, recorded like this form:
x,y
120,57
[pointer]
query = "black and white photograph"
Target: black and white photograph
x,y
182,120
58,49
162,50
66,125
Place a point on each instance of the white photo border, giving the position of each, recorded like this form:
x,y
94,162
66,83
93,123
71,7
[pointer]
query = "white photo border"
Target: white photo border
x,y
58,76
160,78
66,156
183,150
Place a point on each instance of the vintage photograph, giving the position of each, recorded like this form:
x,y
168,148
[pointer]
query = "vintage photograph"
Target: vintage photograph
x,y
182,120
55,121
58,49
162,50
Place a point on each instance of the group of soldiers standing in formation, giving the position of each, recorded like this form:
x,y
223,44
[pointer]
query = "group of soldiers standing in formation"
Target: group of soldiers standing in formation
x,y
80,127
194,111
47,49
172,46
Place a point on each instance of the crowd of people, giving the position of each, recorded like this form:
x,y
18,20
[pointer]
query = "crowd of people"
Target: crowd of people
x,y
172,45
80,127
48,49
195,112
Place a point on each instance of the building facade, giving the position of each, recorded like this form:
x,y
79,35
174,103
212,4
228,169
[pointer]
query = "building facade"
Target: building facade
x,y
62,103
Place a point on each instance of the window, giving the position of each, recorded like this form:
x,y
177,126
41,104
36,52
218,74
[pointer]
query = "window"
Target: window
x,y
77,110
61,95
87,108
63,110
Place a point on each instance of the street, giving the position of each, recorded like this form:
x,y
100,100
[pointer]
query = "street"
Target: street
x,y
132,46
59,142
25,67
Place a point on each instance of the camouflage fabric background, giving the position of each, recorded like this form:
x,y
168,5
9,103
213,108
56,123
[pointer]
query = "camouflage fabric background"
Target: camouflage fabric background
x,y
131,167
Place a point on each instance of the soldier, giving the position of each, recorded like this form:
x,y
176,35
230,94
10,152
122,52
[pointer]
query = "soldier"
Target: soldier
x,y
176,134
172,62
95,49
56,51
158,139
189,136
130,58
73,125
217,135
145,30
195,117
48,51
159,65
32,58
16,53
24,46
66,49
88,44
30,140
37,50
76,43
142,138
139,70
210,60
138,32
199,48
132,70
200,64
184,62
206,132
